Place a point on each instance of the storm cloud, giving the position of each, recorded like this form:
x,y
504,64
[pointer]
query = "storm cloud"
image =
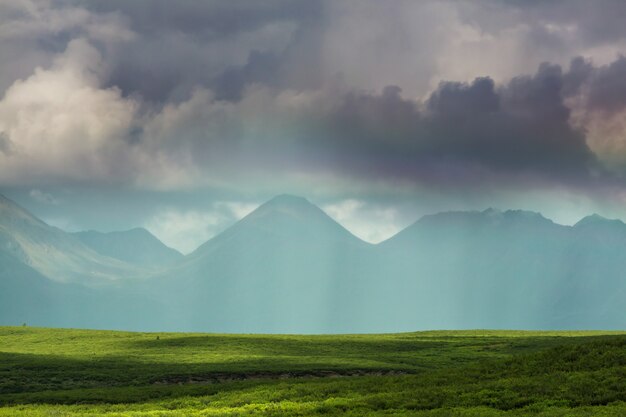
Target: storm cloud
x,y
347,100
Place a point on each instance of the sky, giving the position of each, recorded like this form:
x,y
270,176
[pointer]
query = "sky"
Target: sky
x,y
182,117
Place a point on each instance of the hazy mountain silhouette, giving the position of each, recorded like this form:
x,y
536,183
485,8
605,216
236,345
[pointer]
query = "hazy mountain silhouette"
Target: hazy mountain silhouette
x,y
483,268
512,269
52,252
26,296
277,269
288,267
136,246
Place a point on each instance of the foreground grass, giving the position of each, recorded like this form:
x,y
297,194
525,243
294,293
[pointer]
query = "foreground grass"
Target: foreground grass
x,y
46,372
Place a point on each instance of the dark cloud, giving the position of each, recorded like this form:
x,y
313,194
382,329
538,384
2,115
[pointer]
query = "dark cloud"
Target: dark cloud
x,y
385,119
603,87
224,99
190,75
579,73
521,127
160,50
180,46
463,100
594,22
532,128
6,146
261,67
225,46
206,20
607,87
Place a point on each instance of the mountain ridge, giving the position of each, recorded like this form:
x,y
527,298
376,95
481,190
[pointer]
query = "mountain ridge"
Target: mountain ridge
x,y
288,267
281,201
54,253
281,209
136,246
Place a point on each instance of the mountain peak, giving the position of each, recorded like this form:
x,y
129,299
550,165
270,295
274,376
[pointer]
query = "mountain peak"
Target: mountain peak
x,y
511,213
492,211
490,215
12,212
288,204
288,200
596,219
135,231
135,246
526,215
138,231
287,216
7,202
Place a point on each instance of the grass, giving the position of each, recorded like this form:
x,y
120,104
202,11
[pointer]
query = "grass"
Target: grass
x,y
59,372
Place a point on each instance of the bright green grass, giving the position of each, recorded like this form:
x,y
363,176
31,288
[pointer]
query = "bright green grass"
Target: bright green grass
x,y
55,372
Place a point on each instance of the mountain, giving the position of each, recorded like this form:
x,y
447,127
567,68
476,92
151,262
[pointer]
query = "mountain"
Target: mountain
x,y
597,262
606,232
285,220
277,269
50,278
287,267
512,269
136,246
52,252
26,296
479,269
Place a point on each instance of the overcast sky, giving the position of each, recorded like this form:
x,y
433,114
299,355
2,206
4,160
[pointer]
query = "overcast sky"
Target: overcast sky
x,y
183,116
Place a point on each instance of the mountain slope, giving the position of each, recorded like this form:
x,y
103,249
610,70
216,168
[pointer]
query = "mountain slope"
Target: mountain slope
x,y
477,269
286,217
511,269
288,267
277,269
52,252
136,246
26,296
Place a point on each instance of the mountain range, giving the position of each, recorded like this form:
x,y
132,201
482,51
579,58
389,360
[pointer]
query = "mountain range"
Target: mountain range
x,y
287,267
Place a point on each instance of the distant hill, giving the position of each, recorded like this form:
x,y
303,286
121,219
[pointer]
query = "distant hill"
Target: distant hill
x,y
26,296
287,267
276,270
136,246
52,252
512,269
50,278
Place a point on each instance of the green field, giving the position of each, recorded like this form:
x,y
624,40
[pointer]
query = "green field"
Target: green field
x,y
55,372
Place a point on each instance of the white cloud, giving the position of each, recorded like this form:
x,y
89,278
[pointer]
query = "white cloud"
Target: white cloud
x,y
37,19
238,210
63,223
185,230
42,197
371,223
61,124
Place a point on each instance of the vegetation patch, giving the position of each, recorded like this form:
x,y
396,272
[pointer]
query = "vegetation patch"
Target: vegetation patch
x,y
56,372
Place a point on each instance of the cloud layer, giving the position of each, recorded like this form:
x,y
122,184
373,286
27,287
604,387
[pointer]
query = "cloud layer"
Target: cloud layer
x,y
347,100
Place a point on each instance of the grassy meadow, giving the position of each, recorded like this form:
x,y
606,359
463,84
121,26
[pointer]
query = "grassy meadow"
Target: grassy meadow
x,y
62,372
